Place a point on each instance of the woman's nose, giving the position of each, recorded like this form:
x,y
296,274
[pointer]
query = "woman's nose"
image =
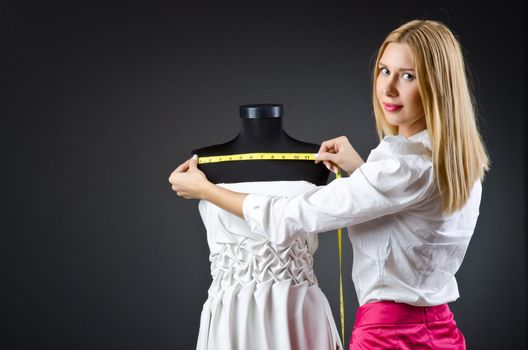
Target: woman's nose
x,y
389,88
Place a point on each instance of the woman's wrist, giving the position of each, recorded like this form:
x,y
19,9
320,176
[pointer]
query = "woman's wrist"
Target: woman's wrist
x,y
207,190
355,167
228,200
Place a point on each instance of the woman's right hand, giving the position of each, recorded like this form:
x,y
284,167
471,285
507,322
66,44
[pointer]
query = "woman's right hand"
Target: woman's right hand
x,y
339,152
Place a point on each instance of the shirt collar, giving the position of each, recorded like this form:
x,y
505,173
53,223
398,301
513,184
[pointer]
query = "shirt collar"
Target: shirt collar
x,y
399,143
419,136
423,137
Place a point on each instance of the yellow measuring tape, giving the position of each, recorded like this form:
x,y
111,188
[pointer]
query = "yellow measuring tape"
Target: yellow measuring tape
x,y
289,156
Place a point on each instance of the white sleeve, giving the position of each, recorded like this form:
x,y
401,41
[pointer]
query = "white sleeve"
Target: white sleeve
x,y
375,189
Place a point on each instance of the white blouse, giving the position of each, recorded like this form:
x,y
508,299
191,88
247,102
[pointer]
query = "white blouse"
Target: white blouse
x,y
405,248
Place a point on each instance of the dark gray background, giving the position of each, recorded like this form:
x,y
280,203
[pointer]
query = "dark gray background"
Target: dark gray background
x,y
100,102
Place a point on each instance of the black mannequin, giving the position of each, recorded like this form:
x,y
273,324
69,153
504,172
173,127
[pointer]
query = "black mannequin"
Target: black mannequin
x,y
261,131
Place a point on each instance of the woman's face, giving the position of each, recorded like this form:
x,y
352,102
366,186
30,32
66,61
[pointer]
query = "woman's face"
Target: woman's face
x,y
397,90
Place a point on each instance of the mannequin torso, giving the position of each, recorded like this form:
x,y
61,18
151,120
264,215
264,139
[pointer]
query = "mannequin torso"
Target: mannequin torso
x,y
261,131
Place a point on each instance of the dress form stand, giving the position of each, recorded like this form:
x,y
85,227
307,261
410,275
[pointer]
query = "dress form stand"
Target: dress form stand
x,y
261,130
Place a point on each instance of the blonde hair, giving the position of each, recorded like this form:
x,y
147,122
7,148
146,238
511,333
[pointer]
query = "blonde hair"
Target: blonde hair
x,y
458,152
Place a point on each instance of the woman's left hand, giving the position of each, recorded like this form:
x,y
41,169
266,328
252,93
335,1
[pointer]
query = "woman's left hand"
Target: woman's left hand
x,y
188,181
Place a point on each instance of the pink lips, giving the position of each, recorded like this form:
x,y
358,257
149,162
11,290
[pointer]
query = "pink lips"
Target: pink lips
x,y
391,107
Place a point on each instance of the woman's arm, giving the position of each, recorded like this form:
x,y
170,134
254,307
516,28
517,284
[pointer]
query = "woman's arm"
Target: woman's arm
x,y
389,182
377,188
224,198
374,190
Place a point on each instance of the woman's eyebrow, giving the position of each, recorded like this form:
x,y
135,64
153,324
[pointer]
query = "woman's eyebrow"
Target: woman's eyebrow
x,y
401,69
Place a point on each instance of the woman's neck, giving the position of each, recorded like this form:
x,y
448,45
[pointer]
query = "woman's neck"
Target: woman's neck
x,y
413,129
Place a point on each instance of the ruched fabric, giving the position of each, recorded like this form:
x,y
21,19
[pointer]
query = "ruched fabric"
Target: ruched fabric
x,y
263,295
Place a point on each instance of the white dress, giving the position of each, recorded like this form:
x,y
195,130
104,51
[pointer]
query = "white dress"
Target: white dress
x,y
263,295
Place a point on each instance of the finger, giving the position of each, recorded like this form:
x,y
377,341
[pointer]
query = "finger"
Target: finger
x,y
193,162
328,158
329,164
173,178
183,167
327,146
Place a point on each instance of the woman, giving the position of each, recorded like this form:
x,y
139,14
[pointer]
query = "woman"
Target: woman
x,y
410,209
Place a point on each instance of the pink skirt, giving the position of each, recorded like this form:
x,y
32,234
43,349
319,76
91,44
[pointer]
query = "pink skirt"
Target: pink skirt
x,y
390,325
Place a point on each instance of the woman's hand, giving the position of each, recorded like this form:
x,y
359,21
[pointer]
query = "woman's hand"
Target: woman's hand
x,y
188,181
339,152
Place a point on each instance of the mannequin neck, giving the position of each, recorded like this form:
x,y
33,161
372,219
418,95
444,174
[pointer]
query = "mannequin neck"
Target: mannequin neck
x,y
261,128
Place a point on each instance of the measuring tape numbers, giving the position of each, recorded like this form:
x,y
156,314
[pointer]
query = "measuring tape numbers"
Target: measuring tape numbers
x,y
256,156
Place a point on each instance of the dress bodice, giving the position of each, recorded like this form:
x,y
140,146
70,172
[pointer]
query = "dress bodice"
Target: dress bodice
x,y
239,255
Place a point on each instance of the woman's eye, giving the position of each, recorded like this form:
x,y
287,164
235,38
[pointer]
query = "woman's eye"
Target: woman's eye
x,y
407,76
384,71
